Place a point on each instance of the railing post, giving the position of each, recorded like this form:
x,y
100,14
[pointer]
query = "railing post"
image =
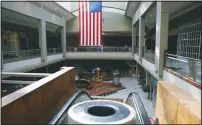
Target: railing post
x,y
191,69
143,51
2,61
164,60
54,51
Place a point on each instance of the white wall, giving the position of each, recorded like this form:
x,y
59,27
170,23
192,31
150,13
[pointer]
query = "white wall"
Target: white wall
x,y
113,22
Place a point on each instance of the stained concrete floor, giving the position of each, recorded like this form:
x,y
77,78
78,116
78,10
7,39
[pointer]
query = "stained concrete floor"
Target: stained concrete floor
x,y
131,85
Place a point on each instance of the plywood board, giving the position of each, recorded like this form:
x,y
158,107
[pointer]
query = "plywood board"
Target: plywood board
x,y
36,103
174,106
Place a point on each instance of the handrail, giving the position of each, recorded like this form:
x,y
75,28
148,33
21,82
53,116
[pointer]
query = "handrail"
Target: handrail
x,y
149,50
56,118
139,107
182,57
188,67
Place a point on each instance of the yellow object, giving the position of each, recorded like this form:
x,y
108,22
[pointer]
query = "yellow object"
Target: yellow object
x,y
98,78
174,106
4,90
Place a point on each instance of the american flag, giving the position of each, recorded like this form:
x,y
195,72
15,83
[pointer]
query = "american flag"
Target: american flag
x,y
90,23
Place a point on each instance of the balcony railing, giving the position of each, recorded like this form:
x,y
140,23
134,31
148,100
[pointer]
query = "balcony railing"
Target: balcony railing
x,y
188,67
98,49
11,56
136,50
149,55
53,51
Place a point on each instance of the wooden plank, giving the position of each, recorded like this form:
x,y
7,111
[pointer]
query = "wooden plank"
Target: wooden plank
x,y
36,103
174,106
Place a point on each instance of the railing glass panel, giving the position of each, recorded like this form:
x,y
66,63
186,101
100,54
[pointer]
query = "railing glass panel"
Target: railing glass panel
x,y
149,55
12,56
188,67
99,49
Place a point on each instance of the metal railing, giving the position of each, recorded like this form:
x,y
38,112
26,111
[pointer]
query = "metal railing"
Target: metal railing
x,y
149,55
98,49
136,50
11,56
188,67
53,51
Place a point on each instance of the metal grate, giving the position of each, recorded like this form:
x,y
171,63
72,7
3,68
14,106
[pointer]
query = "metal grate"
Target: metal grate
x,y
189,41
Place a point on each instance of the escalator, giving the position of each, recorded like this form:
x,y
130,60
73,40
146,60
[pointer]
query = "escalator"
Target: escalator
x,y
133,100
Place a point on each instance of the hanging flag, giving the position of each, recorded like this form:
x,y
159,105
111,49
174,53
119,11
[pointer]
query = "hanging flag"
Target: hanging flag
x,y
90,23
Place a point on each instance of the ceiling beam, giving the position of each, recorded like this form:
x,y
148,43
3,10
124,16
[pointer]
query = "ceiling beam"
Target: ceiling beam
x,y
127,7
143,7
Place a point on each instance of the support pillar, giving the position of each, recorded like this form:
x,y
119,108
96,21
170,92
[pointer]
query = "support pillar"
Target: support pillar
x,y
63,40
42,40
136,70
148,79
141,36
133,39
162,21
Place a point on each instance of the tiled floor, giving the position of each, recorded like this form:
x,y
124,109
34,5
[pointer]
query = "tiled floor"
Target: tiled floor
x,y
131,85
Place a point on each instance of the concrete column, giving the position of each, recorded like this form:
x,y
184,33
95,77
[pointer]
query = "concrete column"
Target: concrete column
x,y
162,17
2,62
42,39
141,36
133,38
136,73
63,40
148,79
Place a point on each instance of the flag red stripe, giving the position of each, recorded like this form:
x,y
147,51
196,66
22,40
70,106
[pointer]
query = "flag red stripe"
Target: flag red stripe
x,y
101,28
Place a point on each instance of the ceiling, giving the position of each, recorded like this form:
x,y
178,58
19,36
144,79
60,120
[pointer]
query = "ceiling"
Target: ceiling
x,y
124,7
173,9
20,19
69,10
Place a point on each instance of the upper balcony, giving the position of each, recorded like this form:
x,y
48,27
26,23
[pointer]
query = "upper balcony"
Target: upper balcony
x,y
12,56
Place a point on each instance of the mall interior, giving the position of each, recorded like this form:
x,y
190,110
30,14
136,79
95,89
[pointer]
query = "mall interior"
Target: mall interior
x,y
150,64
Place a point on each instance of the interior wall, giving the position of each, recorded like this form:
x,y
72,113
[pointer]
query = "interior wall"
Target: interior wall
x,y
113,22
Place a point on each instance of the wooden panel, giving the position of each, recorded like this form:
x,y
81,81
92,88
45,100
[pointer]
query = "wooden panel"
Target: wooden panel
x,y
36,105
174,106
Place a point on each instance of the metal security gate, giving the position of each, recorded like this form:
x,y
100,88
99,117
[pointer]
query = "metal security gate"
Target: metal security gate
x,y
189,41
